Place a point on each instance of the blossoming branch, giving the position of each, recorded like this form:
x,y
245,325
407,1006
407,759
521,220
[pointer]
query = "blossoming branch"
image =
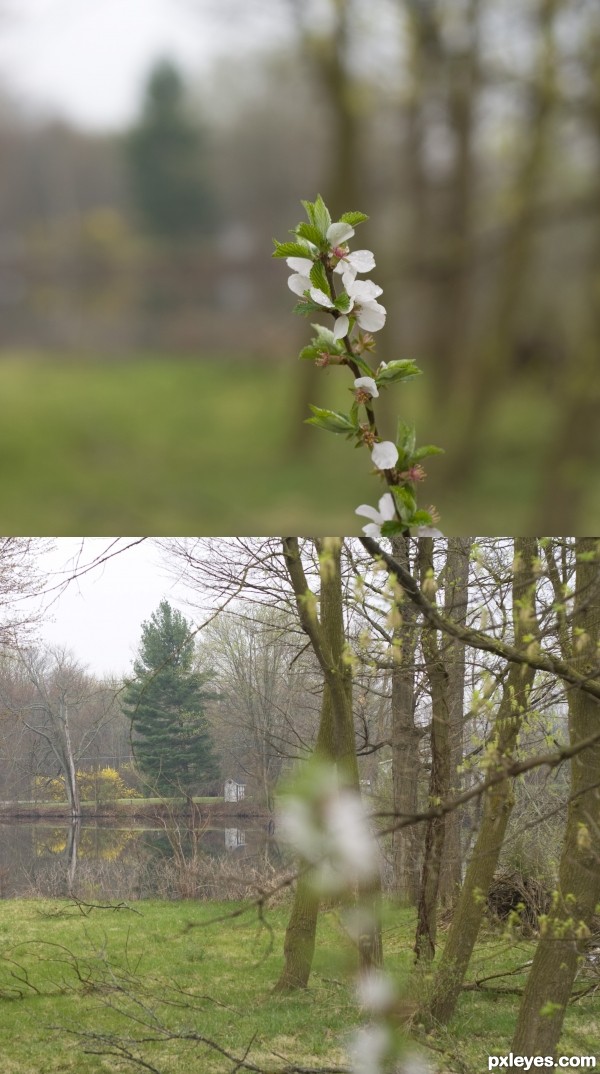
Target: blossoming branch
x,y
324,277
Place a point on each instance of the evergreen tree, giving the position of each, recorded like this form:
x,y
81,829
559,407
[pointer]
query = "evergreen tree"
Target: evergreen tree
x,y
165,703
165,154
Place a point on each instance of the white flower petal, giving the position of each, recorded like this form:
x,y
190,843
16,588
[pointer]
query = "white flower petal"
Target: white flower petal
x,y
361,260
384,455
387,507
368,384
300,264
365,290
340,328
371,316
375,991
369,512
372,530
298,283
339,232
321,298
348,278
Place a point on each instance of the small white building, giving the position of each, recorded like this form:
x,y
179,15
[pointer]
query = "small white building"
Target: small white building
x,y
233,791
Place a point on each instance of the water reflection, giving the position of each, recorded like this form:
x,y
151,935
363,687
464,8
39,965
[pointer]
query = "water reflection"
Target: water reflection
x,y
103,860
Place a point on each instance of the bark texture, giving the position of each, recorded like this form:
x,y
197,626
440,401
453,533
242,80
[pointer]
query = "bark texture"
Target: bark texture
x,y
470,907
551,977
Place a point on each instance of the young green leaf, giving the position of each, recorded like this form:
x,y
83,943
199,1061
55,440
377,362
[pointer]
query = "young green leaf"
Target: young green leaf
x,y
290,249
331,420
322,219
318,278
312,233
392,528
427,449
353,218
399,370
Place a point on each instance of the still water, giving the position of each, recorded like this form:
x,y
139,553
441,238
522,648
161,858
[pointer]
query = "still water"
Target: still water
x,y
97,859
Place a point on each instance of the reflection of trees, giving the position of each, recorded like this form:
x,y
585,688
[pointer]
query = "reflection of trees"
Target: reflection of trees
x,y
106,844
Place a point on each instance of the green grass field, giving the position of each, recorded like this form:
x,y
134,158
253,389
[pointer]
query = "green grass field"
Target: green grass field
x,y
134,972
169,446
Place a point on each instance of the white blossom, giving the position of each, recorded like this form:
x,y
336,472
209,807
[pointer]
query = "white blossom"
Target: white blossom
x,y
358,261
299,281
384,455
369,314
353,846
368,385
385,513
338,233
369,1047
375,991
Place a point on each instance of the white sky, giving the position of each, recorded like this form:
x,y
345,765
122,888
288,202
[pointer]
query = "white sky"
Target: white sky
x,y
99,616
87,60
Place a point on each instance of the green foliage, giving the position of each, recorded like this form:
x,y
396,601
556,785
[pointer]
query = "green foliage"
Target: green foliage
x,y
165,153
289,249
398,370
331,420
318,278
165,702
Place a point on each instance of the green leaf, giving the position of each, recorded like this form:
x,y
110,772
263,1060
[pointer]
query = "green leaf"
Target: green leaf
x,y
310,353
421,518
309,209
353,218
403,370
307,307
342,302
362,365
406,439
392,528
405,502
312,234
322,219
290,249
318,278
427,449
331,420
325,335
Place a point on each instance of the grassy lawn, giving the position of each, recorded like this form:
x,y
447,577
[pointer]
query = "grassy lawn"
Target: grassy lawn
x,y
64,973
161,446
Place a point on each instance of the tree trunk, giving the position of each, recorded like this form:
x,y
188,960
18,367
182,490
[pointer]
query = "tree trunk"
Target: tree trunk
x,y
405,743
455,606
470,907
335,741
439,783
550,979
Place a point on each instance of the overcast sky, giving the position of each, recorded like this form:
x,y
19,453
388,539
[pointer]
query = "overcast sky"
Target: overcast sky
x,y
88,61
99,615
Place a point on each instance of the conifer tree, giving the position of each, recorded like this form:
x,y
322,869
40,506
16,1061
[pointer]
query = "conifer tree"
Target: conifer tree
x,y
166,157
165,702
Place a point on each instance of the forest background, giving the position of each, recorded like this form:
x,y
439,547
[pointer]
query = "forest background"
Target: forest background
x,y
148,351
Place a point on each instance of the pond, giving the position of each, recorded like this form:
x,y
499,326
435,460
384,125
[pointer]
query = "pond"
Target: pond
x,y
104,860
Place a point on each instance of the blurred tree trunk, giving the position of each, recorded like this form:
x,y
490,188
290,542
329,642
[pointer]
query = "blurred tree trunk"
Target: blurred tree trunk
x,y
405,741
439,783
566,471
336,738
456,600
486,362
557,954
470,907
